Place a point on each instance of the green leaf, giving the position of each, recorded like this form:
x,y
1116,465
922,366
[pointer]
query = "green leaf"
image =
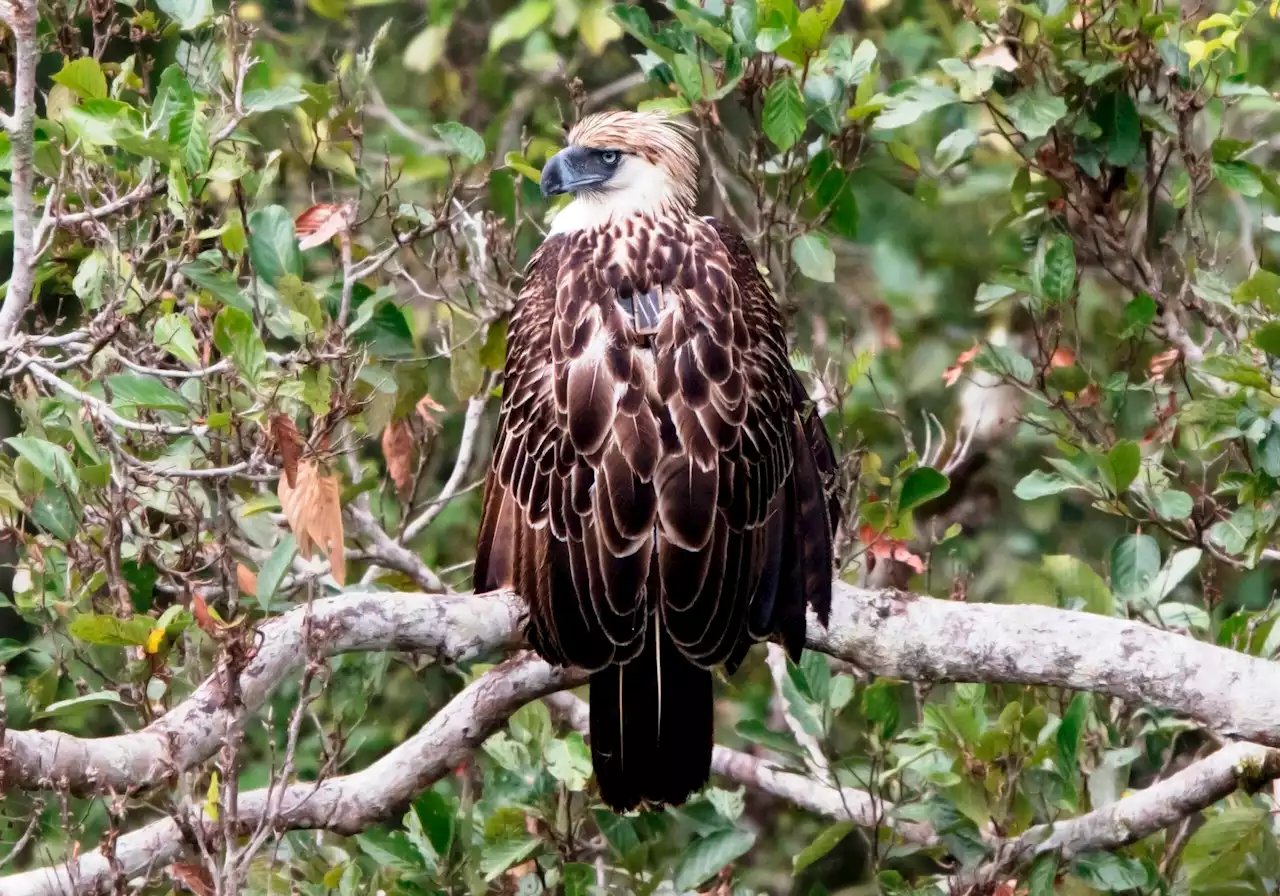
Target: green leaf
x,y
274,570
1121,465
1070,732
268,99
1034,112
813,256
391,850
130,391
189,14
1172,573
842,688
273,244
821,845
954,147
436,815
462,140
517,162
1040,484
1109,872
1267,338
173,334
236,337
85,701
1262,287
1173,505
814,22
519,23
84,77
1138,315
53,512
880,705
1040,879
784,119
1076,580
498,857
300,297
110,631
907,107
848,64
51,460
10,650
569,761
1058,271
705,857
1117,116
1239,176
221,285
493,353
1220,850
189,135
777,741
922,485
1135,561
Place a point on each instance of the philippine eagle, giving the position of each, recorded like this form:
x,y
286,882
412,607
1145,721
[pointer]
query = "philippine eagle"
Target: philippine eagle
x,y
657,490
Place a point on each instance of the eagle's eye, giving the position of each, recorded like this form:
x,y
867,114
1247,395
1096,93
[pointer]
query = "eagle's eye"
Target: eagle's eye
x,y
610,156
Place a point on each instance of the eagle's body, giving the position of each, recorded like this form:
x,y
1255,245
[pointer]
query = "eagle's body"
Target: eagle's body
x,y
656,493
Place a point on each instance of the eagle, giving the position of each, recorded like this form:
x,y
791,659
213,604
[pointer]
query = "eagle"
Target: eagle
x,y
660,487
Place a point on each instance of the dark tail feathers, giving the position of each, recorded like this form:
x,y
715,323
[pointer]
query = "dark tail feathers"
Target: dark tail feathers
x,y
651,726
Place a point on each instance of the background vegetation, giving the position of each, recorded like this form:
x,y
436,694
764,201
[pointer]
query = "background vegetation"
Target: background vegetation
x,y
1028,252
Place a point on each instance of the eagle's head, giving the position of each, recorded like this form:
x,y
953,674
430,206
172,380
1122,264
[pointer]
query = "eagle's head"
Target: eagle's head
x,y
622,163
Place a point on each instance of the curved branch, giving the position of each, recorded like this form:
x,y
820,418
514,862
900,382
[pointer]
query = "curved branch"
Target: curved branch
x,y
344,805
891,634
454,627
1141,814
923,639
816,795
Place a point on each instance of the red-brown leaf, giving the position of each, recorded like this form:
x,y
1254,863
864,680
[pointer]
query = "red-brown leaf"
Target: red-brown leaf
x,y
288,441
322,222
397,448
314,512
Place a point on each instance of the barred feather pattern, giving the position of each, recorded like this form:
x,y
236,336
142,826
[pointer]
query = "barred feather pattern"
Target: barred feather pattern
x,y
673,478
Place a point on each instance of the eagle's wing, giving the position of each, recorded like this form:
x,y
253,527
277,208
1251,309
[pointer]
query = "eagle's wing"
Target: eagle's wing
x,y
609,453
813,502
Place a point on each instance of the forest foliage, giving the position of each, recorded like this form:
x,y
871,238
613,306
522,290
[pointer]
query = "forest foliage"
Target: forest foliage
x,y
1028,252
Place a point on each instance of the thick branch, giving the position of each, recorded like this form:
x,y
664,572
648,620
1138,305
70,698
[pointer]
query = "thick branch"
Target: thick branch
x,y
345,805
1141,814
456,627
922,639
902,636
21,17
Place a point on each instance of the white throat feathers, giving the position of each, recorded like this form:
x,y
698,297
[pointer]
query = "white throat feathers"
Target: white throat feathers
x,y
639,187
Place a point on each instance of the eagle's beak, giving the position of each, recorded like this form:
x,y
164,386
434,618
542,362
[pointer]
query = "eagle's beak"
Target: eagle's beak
x,y
571,170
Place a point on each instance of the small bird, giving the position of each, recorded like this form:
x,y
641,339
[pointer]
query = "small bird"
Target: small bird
x,y
660,490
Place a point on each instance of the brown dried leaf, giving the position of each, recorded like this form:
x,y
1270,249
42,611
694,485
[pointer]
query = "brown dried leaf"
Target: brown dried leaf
x,y
194,877
288,441
314,512
397,448
206,622
428,407
246,580
322,222
1161,363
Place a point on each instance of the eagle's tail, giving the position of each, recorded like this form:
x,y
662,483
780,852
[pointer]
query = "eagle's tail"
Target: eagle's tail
x,y
651,726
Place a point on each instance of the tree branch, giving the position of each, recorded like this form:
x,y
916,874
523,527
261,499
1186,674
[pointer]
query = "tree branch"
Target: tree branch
x,y
21,16
891,634
1139,815
345,805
